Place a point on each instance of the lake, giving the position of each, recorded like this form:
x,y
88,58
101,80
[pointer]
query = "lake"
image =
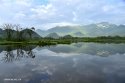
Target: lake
x,y
74,63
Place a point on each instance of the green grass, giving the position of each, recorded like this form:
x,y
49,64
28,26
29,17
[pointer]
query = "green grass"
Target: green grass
x,y
43,42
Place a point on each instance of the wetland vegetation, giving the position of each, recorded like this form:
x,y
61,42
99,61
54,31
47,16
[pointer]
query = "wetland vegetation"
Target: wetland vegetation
x,y
16,35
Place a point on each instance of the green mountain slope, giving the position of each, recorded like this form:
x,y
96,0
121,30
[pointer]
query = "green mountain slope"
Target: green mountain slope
x,y
24,32
53,35
91,30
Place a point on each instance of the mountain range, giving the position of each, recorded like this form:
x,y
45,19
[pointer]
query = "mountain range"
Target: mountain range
x,y
91,30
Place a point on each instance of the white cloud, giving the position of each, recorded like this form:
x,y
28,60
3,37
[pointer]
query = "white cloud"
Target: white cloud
x,y
19,16
75,16
25,3
32,12
43,11
107,8
0,20
50,25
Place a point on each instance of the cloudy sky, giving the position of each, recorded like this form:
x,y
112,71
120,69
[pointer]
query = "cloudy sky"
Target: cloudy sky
x,y
48,13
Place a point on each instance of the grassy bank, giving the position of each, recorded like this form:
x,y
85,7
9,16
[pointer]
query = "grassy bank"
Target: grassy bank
x,y
41,43
51,41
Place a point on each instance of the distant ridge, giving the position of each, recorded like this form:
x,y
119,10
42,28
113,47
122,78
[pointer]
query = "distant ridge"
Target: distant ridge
x,y
53,35
91,30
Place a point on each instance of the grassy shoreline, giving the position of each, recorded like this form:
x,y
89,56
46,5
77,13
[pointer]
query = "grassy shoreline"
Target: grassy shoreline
x,y
43,42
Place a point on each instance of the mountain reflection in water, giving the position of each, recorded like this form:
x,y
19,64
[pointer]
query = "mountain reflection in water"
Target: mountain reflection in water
x,y
74,63
12,53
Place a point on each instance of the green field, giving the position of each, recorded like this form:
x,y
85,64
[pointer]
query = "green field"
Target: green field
x,y
51,41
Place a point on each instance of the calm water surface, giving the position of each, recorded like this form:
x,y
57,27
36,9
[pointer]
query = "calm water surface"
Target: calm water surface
x,y
74,63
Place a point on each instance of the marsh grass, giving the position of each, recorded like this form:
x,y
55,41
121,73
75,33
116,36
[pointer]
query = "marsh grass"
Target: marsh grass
x,y
43,42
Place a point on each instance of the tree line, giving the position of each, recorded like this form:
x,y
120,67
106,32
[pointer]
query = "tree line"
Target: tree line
x,y
16,32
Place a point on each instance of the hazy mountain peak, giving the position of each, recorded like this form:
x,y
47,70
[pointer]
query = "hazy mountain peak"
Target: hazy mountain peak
x,y
53,35
97,29
78,34
67,36
121,25
103,25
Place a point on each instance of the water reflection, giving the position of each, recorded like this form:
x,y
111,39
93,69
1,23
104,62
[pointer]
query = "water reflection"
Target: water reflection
x,y
12,53
89,48
75,63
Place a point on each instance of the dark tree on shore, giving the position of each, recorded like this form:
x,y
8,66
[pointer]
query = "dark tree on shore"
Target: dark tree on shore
x,y
8,30
30,32
32,28
19,33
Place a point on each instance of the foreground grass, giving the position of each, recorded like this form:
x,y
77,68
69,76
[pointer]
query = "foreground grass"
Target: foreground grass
x,y
27,43
43,42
